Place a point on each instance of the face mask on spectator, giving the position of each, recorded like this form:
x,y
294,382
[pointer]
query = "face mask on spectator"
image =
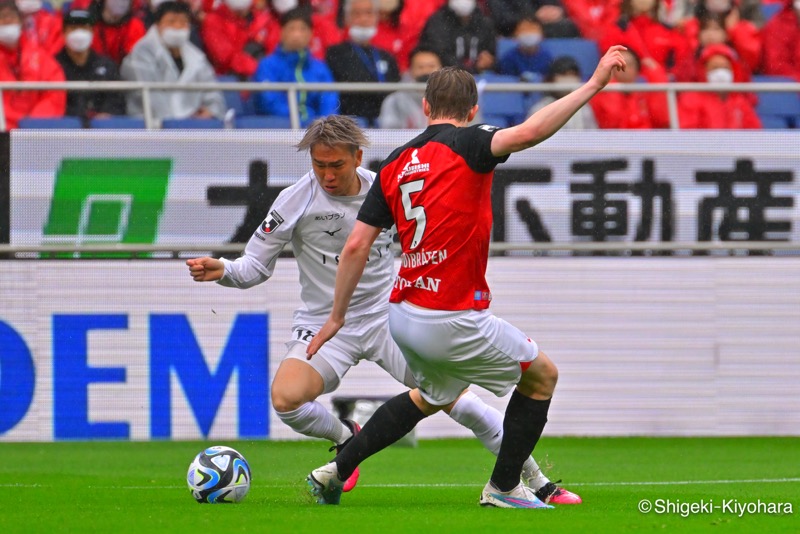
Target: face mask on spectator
x,y
9,34
362,34
175,38
720,75
239,5
718,6
462,8
283,6
529,40
26,7
78,40
118,8
422,78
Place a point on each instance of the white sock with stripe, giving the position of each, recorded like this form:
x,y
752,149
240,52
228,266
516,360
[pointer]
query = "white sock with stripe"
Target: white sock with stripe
x,y
312,419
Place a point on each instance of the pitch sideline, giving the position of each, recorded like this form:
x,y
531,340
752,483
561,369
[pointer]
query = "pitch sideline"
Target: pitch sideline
x,y
571,484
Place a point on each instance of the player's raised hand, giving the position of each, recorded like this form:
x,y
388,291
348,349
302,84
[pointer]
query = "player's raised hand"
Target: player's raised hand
x,y
205,269
327,331
612,61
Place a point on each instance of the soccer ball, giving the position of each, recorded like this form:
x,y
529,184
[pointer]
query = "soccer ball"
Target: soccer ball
x,y
219,474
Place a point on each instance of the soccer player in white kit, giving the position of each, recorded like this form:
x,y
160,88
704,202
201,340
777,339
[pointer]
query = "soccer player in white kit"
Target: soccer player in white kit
x,y
316,215
436,189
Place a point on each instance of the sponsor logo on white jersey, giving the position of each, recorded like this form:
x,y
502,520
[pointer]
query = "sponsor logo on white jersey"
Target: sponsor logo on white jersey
x,y
330,216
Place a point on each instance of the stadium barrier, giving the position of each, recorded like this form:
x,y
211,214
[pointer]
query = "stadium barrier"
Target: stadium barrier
x,y
135,350
146,88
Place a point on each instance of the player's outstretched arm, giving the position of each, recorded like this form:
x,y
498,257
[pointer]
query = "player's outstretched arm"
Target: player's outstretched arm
x,y
351,265
205,269
551,118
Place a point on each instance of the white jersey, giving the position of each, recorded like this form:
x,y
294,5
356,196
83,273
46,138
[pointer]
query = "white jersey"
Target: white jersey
x,y
317,224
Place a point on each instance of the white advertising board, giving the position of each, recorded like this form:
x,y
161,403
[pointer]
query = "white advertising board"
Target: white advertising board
x,y
126,349
211,187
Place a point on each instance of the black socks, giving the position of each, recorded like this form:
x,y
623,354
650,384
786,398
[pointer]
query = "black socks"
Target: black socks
x,y
396,418
522,426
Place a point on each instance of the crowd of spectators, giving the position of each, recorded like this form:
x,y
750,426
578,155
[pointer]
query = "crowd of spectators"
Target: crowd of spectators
x,y
187,41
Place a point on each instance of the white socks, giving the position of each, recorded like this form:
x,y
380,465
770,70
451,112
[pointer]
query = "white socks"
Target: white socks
x,y
487,425
312,419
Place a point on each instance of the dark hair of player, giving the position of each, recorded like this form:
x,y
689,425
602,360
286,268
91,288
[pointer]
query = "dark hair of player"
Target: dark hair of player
x,y
451,93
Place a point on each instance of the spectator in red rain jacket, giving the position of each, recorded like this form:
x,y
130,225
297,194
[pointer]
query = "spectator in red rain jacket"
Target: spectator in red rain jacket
x,y
116,30
640,28
718,111
740,34
593,17
712,32
24,61
417,12
633,111
782,42
396,34
41,26
237,36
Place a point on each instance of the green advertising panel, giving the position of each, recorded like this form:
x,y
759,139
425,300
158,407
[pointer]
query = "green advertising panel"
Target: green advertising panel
x,y
107,201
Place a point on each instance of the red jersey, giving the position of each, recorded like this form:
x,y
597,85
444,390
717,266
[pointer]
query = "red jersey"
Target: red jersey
x,y
437,191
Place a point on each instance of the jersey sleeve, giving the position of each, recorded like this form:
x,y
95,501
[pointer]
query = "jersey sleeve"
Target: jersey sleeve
x,y
375,211
257,263
475,144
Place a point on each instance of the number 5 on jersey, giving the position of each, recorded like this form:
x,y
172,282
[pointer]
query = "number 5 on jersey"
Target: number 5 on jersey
x,y
415,213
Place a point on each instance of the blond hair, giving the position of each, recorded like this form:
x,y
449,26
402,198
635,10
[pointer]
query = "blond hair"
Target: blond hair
x,y
334,130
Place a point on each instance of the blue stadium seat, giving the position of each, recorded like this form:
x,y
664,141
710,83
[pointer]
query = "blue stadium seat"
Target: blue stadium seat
x,y
233,99
504,46
501,121
510,105
258,122
362,122
192,124
770,10
778,110
118,123
50,123
774,123
584,51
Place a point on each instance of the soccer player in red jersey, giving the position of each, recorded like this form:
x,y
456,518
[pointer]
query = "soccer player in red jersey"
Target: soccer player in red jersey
x,y
437,190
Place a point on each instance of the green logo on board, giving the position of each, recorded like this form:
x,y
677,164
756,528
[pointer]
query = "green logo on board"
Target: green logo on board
x,y
107,201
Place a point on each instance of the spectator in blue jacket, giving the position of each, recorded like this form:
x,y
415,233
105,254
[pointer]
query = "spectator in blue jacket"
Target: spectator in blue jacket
x,y
526,60
293,62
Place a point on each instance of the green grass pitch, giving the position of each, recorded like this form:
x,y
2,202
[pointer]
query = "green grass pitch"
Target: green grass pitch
x,y
140,487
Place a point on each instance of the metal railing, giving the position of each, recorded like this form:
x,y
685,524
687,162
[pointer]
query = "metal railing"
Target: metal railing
x,y
617,248
146,88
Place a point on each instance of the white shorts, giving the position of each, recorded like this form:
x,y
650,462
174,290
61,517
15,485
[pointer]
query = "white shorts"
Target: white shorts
x,y
448,351
365,338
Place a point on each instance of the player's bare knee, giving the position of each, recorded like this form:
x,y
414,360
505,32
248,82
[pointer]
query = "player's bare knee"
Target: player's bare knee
x,y
539,380
285,400
549,375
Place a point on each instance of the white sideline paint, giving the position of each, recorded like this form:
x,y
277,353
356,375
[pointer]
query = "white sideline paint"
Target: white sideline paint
x,y
584,484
